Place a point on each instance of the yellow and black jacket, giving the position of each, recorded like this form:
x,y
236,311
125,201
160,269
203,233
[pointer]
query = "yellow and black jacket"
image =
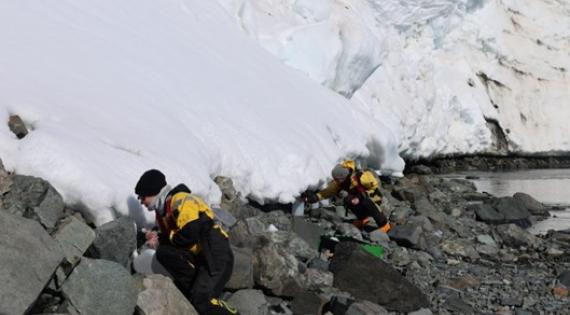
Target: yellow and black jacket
x,y
188,222
358,182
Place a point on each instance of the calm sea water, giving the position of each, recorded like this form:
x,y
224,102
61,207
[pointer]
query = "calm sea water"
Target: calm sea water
x,y
549,186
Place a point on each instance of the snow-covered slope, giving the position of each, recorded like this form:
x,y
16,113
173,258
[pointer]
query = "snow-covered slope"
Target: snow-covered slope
x,y
462,76
112,88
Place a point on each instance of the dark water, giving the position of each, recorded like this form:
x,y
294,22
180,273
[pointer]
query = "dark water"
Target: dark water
x,y
549,186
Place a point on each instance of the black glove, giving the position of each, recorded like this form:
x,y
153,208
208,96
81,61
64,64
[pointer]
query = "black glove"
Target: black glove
x,y
310,196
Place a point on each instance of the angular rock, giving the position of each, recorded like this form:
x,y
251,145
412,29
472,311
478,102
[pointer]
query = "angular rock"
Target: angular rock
x,y
514,211
369,278
74,237
307,303
348,229
564,278
513,236
487,250
34,198
406,235
242,275
487,214
310,232
115,241
160,296
276,269
486,239
400,215
5,182
422,221
460,248
316,279
28,258
250,302
17,126
457,305
101,287
464,282
535,207
379,237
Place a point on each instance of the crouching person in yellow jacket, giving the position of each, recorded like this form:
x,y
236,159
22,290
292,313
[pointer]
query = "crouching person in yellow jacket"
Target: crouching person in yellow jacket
x,y
360,190
190,245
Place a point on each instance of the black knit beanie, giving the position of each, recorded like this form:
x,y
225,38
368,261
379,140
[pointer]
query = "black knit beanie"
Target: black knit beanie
x,y
150,183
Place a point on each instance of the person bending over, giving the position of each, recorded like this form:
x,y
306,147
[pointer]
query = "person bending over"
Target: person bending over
x,y
360,192
190,245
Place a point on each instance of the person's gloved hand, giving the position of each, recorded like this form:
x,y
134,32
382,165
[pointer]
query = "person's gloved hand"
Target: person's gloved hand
x,y
310,196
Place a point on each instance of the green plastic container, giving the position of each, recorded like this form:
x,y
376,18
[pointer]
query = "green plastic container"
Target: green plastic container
x,y
375,250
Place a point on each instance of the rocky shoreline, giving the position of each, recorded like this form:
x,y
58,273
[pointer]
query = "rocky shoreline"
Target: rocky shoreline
x,y
480,162
452,250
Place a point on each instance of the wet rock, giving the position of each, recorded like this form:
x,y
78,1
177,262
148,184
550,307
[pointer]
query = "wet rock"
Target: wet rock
x,y
513,236
74,237
17,126
101,287
34,198
366,308
115,241
460,248
405,194
242,275
338,305
369,278
250,302
513,211
457,186
457,305
406,235
160,296
564,278
307,303
29,257
535,207
487,214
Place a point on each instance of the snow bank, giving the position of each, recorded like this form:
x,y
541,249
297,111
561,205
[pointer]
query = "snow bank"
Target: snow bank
x,y
111,89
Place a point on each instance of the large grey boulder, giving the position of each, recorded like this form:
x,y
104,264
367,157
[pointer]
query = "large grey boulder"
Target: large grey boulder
x,y
514,211
34,198
534,206
74,237
513,236
99,286
242,275
28,258
487,214
316,279
369,278
115,241
161,297
250,302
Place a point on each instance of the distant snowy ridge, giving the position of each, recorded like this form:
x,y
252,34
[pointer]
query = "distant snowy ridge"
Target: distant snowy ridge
x,y
461,76
111,88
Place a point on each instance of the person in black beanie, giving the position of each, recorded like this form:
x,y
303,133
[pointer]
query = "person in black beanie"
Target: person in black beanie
x,y
190,245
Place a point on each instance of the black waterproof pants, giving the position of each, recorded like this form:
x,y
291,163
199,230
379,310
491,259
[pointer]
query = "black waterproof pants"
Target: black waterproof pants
x,y
366,208
180,264
210,283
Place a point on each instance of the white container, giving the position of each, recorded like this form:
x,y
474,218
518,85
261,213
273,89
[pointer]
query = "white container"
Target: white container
x,y
298,209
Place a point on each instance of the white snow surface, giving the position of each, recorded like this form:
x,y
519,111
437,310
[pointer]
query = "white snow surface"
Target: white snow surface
x,y
443,68
111,88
